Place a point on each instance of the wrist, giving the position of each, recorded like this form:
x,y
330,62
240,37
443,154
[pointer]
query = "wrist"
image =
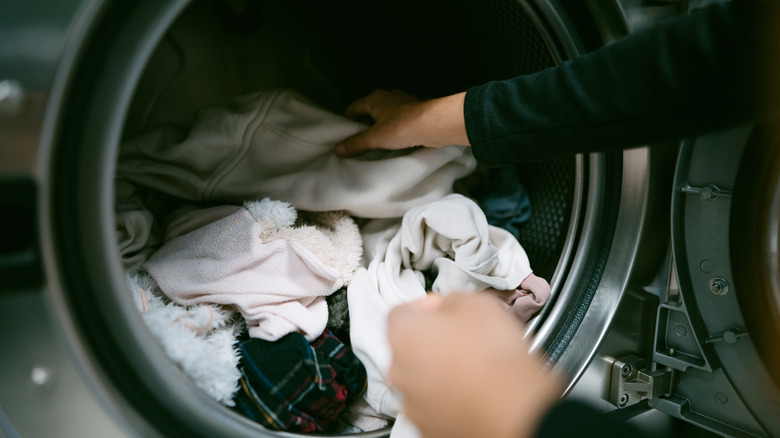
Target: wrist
x,y
442,122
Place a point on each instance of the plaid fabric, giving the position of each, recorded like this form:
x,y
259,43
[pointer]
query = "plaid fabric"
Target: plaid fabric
x,y
294,385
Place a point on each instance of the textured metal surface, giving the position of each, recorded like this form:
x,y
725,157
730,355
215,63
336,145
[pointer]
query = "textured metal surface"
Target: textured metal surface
x,y
551,189
576,326
501,39
744,402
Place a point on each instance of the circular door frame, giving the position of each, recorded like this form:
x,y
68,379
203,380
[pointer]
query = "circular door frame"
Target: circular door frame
x,y
88,104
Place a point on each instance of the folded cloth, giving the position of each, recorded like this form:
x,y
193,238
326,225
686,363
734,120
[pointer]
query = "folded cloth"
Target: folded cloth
x,y
295,386
451,238
250,257
277,144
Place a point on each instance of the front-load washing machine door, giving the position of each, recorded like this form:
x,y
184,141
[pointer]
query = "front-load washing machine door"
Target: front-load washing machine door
x,y
130,66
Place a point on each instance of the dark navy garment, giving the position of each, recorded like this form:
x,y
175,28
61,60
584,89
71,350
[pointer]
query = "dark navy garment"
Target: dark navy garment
x,y
688,75
506,204
573,418
297,386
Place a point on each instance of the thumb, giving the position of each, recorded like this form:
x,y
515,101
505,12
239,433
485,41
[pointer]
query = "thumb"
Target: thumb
x,y
353,145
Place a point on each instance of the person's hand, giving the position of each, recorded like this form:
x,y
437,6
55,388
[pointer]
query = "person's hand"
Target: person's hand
x,y
402,121
463,369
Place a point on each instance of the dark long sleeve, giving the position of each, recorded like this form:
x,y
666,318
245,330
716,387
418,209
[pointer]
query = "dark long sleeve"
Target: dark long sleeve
x,y
715,67
573,418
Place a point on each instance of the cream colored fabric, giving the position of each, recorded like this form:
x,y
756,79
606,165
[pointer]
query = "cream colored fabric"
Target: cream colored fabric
x,y
134,226
276,144
450,237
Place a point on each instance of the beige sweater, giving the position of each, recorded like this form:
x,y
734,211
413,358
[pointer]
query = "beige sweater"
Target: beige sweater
x,y
276,144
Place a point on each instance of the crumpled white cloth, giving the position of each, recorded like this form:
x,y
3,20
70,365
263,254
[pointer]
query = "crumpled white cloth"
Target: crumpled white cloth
x,y
276,144
278,285
450,237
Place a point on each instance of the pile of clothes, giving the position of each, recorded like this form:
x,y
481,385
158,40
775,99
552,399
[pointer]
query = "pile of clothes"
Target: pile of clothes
x,y
266,265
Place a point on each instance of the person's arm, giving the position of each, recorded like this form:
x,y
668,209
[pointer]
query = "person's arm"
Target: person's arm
x,y
463,369
685,76
403,121
696,73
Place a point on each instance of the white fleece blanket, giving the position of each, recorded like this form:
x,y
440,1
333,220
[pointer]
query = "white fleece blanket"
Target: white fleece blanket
x,y
200,339
276,144
450,237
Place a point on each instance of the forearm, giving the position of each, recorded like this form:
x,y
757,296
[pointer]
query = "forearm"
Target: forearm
x,y
441,122
684,77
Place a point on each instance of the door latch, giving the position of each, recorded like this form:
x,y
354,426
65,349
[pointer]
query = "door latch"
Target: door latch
x,y
631,382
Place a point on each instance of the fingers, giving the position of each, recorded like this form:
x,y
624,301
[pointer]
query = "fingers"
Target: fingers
x,y
361,107
404,320
353,145
430,302
360,110
395,118
410,325
456,357
374,104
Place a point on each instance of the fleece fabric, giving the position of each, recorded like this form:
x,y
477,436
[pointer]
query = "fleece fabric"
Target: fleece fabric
x,y
276,144
199,339
276,276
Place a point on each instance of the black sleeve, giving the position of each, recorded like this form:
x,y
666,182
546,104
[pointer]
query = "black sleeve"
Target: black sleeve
x,y
684,76
576,419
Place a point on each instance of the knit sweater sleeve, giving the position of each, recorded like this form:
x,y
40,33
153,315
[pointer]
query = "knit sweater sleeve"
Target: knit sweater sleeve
x,y
686,75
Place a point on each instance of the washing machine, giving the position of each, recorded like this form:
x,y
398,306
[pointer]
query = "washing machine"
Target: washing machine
x,y
663,260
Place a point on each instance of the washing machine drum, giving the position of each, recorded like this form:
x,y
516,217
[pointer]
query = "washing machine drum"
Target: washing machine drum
x,y
146,64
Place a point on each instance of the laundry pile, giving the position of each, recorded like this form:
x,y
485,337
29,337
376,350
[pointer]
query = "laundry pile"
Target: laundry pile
x,y
266,265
